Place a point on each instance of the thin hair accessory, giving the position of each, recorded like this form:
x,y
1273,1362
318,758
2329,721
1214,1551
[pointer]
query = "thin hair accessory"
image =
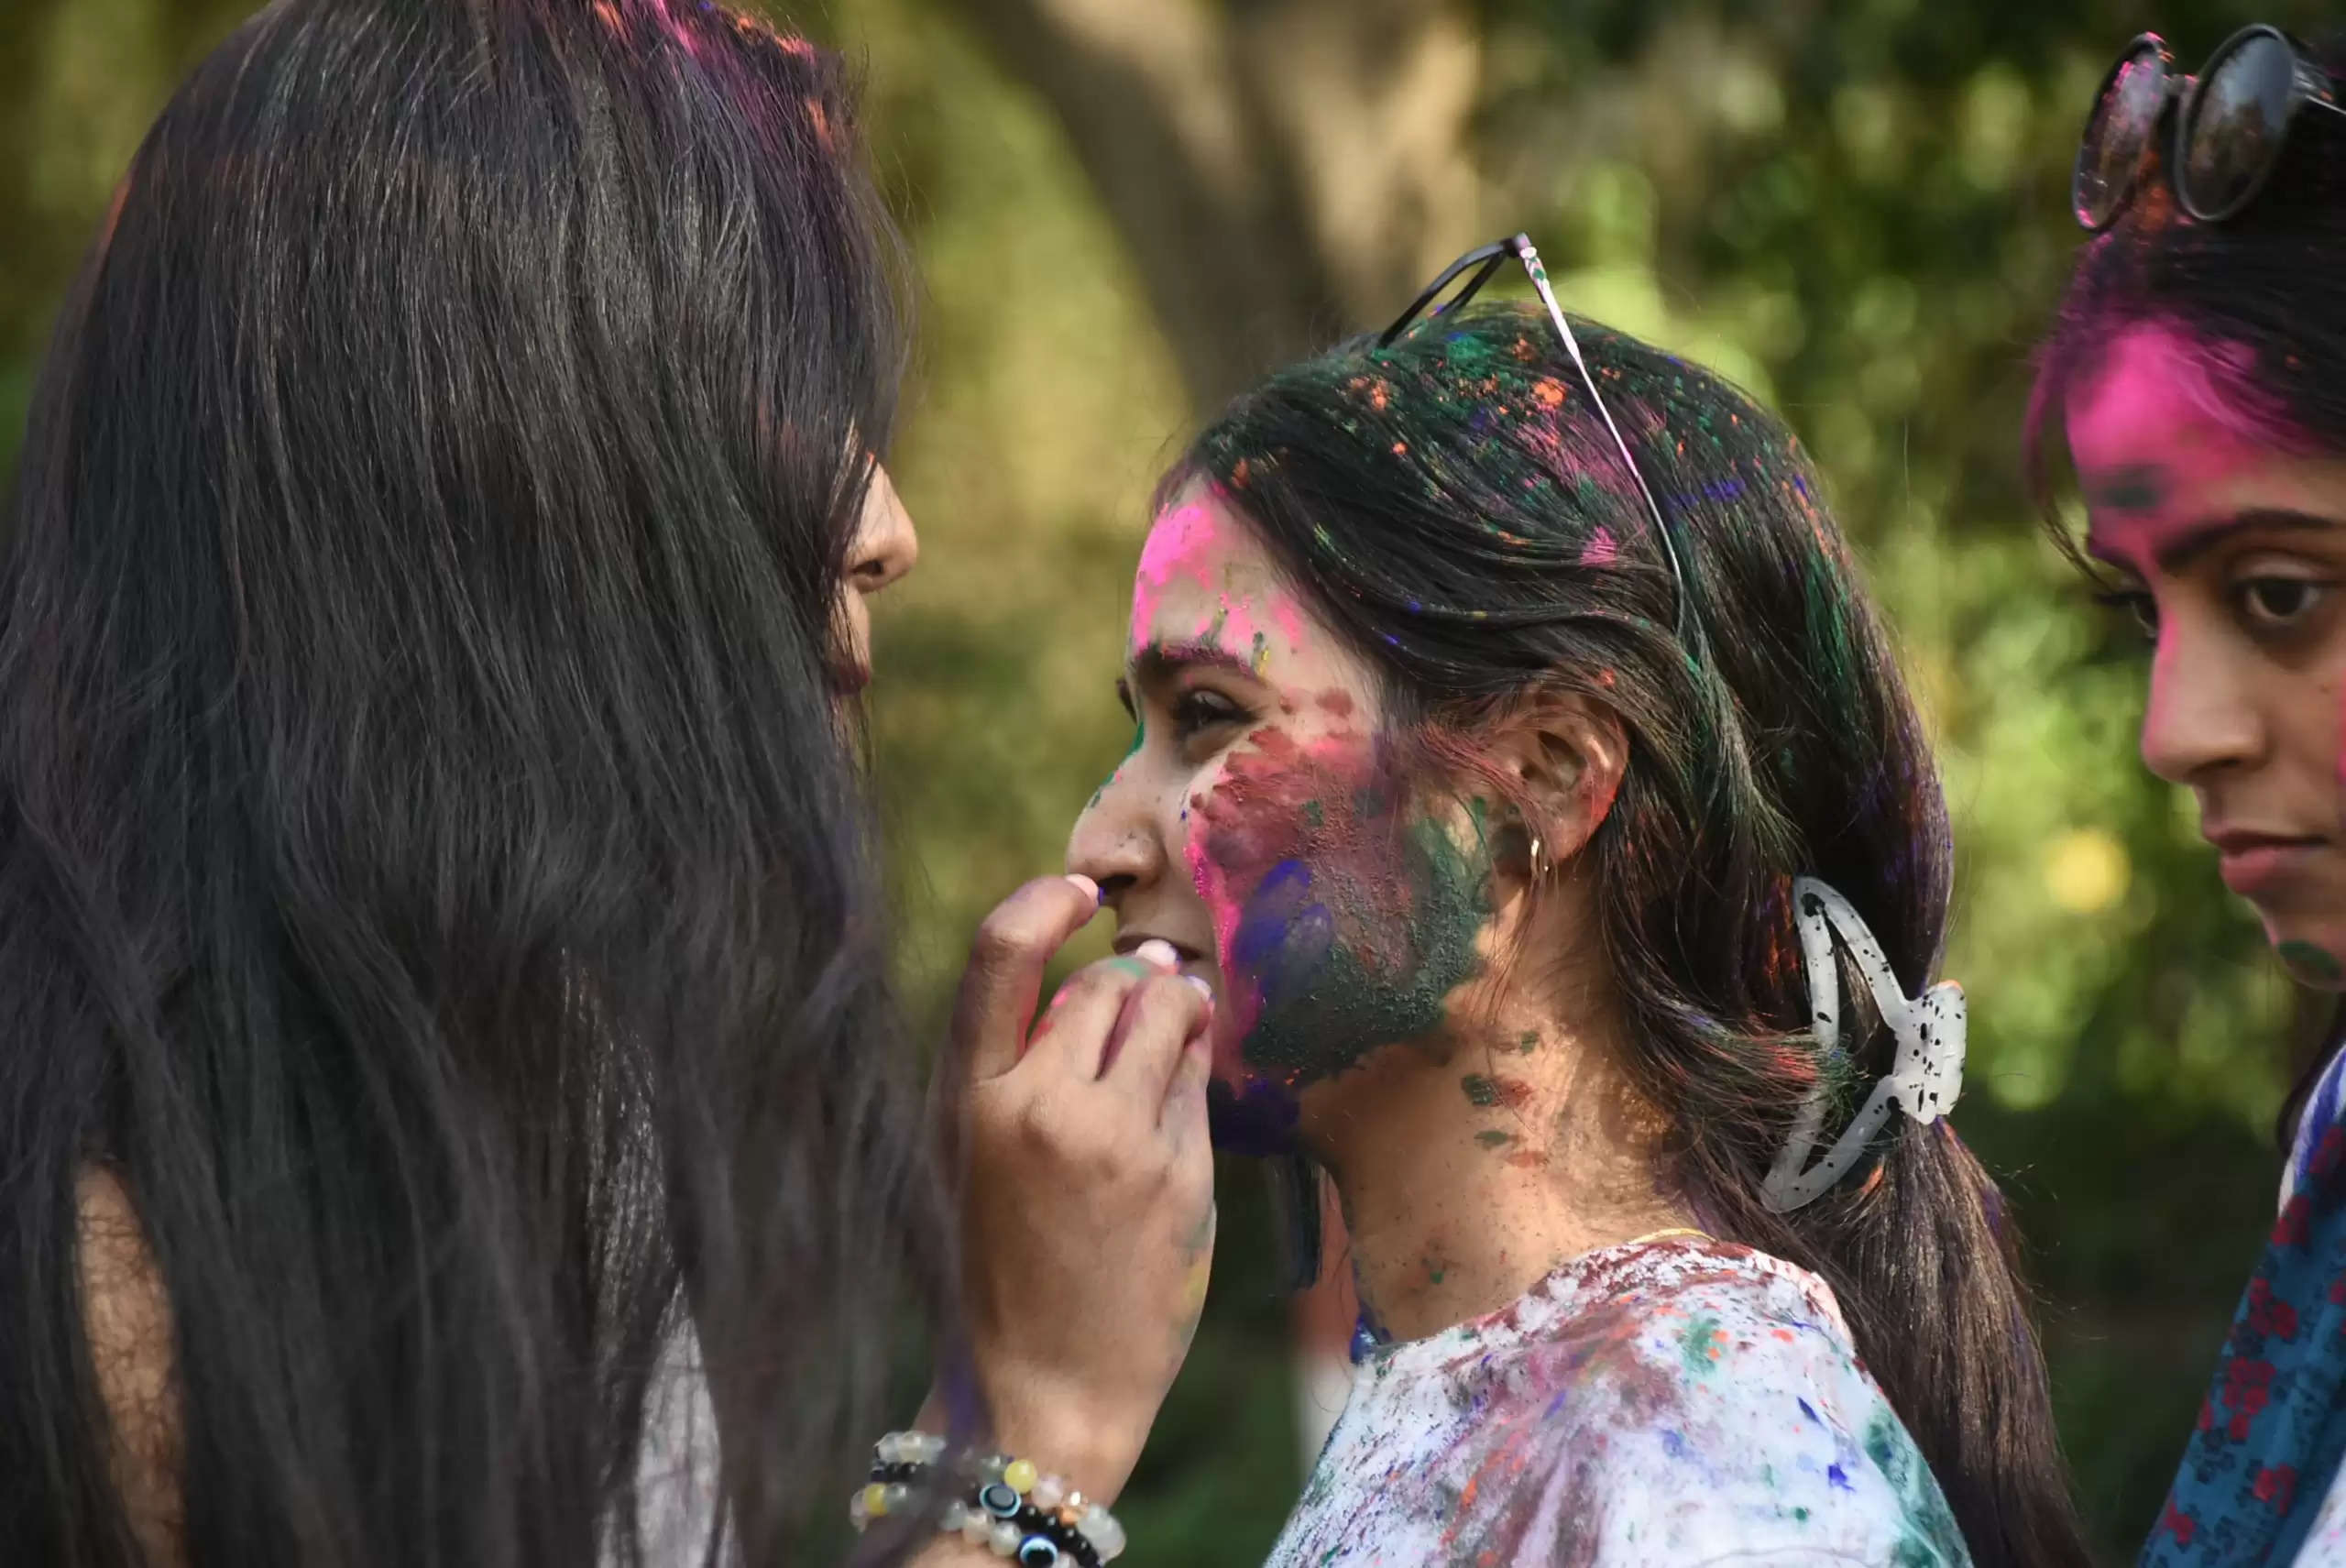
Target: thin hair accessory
x,y
1923,1080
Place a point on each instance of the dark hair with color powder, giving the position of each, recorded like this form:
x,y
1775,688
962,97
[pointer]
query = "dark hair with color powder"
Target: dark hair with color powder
x,y
2259,293
1453,506
433,872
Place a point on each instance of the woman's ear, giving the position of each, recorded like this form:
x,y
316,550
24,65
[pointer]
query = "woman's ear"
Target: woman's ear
x,y
1563,755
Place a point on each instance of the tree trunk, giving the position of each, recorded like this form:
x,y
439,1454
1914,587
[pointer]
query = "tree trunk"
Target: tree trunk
x,y
1286,171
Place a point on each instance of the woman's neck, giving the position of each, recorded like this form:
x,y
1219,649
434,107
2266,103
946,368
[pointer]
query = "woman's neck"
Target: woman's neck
x,y
1468,1173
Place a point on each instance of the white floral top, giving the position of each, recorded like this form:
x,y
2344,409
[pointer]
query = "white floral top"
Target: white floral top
x,y
1678,1402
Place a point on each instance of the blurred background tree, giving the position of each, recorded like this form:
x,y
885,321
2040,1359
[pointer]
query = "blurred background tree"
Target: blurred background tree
x,y
1124,210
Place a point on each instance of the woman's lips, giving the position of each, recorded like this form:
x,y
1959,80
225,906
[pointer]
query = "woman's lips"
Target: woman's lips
x,y
2256,864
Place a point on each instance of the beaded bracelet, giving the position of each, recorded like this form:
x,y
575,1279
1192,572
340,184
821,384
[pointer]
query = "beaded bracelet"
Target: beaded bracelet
x,y
1014,1510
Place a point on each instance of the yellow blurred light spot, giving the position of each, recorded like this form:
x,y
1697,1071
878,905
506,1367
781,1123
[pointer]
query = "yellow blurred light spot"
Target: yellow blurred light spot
x,y
2086,871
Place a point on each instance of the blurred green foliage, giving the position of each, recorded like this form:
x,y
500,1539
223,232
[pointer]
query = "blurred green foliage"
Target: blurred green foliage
x,y
1857,207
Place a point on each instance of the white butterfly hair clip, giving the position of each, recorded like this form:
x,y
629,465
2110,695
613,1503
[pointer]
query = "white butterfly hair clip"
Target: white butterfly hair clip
x,y
1925,1079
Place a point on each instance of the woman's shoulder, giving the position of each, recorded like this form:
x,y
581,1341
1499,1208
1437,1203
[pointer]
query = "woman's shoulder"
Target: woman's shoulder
x,y
1721,1407
128,1319
1678,1403
2318,1124
1689,1306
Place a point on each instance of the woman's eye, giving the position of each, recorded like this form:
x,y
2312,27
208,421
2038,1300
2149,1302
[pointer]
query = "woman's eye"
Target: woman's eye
x,y
1199,710
2271,602
2142,607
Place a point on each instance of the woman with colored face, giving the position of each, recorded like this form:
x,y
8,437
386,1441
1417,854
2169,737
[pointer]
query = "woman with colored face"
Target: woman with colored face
x,y
2198,374
1565,885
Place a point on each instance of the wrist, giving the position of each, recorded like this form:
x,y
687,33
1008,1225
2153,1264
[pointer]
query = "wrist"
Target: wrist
x,y
1009,1504
1095,1451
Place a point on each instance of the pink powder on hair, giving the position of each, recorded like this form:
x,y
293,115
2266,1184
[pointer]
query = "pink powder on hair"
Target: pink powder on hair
x,y
1600,550
2163,360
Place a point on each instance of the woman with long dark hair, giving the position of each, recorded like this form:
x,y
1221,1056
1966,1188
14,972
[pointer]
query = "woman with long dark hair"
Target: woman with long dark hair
x,y
452,1108
1522,761
2198,375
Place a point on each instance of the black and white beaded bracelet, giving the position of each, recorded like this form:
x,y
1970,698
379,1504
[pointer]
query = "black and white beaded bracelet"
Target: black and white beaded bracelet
x,y
1014,1509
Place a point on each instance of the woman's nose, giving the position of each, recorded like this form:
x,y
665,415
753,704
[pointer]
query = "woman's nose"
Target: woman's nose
x,y
885,546
2203,713
1115,841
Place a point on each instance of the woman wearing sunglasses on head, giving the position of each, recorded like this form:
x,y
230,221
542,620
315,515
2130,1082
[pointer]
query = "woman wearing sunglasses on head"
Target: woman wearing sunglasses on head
x,y
1540,797
2199,372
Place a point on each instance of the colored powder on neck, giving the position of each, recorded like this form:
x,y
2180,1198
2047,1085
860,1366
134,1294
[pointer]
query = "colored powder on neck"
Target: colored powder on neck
x,y
2310,963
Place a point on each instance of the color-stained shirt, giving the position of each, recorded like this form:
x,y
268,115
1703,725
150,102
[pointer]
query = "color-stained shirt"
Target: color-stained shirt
x,y
2260,1480
1671,1402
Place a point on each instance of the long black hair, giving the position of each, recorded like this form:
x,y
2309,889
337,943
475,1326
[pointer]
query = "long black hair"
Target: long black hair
x,y
2260,294
1454,508
434,878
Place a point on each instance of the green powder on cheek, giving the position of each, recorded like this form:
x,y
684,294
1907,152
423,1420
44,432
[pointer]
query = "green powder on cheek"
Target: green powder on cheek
x,y
1492,1138
1351,1007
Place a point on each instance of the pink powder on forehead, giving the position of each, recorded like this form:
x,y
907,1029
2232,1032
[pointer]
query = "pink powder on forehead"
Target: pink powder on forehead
x,y
1182,547
2152,364
1288,617
1179,546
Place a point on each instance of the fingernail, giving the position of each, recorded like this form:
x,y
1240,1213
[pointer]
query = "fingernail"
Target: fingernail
x,y
1159,953
1205,987
1084,885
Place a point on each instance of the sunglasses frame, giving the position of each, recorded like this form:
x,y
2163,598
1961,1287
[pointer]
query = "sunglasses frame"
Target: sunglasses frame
x,y
2178,117
1488,260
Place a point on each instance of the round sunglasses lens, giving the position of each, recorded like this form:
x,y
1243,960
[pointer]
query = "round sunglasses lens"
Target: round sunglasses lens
x,y
2236,125
2121,128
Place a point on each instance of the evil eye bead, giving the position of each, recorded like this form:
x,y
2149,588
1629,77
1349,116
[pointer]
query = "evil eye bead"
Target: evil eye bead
x,y
998,1498
1039,1552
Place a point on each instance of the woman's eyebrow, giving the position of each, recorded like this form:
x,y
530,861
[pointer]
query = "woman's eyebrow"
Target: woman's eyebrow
x,y
2176,553
1159,663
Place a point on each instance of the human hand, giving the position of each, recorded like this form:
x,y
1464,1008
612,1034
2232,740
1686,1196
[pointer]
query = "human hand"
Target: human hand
x,y
1088,1208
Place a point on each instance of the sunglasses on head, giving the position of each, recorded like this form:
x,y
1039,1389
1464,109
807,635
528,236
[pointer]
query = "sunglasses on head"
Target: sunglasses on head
x,y
2230,123
1478,266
